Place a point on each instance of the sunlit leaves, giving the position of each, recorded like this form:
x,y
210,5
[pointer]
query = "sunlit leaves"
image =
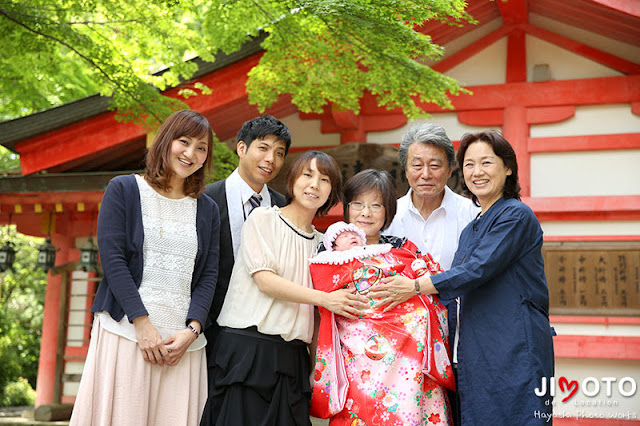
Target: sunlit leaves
x,y
318,51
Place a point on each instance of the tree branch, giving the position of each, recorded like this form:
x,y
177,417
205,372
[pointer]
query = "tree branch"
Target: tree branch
x,y
86,58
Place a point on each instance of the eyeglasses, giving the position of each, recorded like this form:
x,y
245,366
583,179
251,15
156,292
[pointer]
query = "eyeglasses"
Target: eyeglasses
x,y
359,206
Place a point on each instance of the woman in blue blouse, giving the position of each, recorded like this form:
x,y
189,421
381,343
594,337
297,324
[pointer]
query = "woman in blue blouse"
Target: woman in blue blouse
x,y
504,344
158,237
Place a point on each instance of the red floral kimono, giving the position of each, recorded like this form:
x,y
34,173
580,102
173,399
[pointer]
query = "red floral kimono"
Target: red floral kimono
x,y
386,368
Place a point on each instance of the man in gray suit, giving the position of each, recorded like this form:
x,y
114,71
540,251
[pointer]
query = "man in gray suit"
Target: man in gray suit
x,y
263,143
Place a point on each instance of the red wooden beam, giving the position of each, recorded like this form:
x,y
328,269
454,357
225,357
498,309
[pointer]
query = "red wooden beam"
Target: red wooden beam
x,y
585,143
483,117
591,17
79,140
442,32
542,115
516,57
535,115
590,238
514,11
588,91
597,55
576,319
76,351
354,128
52,198
597,347
70,143
516,130
580,206
625,6
227,83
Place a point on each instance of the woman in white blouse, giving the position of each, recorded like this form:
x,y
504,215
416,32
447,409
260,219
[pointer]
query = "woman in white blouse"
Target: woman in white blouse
x,y
159,243
262,362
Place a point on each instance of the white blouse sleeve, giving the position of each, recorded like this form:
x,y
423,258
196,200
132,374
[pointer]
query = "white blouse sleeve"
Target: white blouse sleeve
x,y
259,243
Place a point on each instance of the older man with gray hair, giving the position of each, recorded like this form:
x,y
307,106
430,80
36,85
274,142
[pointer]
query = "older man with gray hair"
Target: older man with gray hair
x,y
431,215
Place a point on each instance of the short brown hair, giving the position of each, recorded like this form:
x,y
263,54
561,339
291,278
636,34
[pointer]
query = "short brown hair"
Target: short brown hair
x,y
502,149
180,123
372,180
327,166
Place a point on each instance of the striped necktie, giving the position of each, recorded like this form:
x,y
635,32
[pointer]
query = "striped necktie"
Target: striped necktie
x,y
254,202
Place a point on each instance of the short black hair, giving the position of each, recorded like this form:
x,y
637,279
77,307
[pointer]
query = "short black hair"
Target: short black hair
x,y
263,126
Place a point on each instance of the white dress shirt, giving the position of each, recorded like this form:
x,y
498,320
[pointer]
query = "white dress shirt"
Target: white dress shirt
x,y
439,233
238,193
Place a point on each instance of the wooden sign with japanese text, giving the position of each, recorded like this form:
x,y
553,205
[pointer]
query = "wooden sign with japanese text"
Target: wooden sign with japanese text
x,y
593,278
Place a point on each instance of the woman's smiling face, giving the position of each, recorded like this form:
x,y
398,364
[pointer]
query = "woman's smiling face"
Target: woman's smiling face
x,y
367,220
484,173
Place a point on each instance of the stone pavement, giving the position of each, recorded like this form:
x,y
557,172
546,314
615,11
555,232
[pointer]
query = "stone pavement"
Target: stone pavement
x,y
23,416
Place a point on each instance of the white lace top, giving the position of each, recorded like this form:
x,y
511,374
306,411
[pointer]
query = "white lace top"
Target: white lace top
x,y
169,250
270,242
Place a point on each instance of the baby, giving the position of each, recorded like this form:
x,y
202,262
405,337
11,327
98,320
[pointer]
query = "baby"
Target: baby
x,y
361,266
382,344
342,236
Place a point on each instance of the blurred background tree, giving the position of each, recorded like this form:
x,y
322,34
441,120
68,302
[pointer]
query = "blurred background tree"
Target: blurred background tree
x,y
21,305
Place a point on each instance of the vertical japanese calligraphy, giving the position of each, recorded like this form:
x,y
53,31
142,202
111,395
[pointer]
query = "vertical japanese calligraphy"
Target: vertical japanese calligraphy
x,y
593,278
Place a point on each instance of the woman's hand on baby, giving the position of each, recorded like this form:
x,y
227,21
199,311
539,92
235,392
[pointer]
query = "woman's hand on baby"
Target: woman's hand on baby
x,y
149,341
344,302
392,291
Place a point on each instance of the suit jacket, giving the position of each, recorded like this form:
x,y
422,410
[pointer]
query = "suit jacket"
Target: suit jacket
x,y
218,192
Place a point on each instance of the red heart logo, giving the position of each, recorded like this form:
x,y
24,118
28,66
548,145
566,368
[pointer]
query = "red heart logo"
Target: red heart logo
x,y
571,386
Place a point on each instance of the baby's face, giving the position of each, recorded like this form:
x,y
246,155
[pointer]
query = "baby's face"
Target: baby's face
x,y
347,239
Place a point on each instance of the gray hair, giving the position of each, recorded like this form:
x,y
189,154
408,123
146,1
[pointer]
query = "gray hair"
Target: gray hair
x,y
427,133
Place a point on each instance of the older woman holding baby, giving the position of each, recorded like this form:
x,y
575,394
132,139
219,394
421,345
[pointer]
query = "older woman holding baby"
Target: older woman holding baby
x,y
370,204
388,360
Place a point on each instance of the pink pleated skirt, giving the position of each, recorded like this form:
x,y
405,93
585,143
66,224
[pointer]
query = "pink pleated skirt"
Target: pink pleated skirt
x,y
119,388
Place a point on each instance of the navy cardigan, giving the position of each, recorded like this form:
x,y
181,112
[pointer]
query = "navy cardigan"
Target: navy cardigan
x,y
120,237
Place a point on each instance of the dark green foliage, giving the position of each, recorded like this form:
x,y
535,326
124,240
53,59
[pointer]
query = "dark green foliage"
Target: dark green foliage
x,y
21,308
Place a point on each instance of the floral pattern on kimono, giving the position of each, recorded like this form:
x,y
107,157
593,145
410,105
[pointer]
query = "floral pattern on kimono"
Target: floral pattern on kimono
x,y
384,368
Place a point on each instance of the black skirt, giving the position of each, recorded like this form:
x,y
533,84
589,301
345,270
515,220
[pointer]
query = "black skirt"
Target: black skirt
x,y
259,379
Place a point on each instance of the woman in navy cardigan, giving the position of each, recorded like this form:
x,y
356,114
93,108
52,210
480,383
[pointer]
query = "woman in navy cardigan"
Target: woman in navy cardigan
x,y
158,237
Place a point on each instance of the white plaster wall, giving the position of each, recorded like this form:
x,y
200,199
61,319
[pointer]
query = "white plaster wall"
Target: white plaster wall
x,y
582,329
606,44
592,120
307,132
552,228
467,39
606,407
448,120
71,388
77,300
564,64
488,66
585,173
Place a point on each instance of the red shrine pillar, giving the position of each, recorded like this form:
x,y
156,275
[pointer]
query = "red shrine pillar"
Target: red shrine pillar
x,y
46,392
515,129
